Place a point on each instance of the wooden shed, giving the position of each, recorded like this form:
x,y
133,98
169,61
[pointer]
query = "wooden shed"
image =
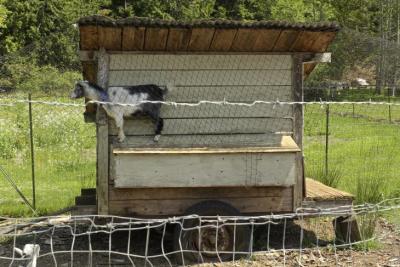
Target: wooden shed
x,y
248,157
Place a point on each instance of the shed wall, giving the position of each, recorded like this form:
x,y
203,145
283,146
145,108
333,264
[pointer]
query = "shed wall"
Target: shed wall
x,y
196,77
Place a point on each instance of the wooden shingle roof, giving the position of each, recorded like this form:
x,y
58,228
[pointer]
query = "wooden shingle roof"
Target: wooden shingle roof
x,y
144,34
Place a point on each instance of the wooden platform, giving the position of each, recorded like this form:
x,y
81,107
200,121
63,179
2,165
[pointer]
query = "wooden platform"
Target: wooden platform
x,y
323,196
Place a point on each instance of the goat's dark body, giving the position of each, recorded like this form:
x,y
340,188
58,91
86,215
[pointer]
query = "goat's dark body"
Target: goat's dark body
x,y
155,93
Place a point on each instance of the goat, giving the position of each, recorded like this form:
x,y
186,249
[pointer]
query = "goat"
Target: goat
x,y
125,95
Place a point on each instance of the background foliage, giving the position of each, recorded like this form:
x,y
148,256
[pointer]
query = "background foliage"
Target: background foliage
x,y
48,27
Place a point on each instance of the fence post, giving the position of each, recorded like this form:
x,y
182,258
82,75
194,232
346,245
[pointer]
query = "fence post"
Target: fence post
x,y
327,140
32,152
390,110
353,111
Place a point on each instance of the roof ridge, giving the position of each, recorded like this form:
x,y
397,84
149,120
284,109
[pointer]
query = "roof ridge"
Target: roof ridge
x,y
207,23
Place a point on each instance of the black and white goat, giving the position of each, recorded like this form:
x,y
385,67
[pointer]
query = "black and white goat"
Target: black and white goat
x,y
133,95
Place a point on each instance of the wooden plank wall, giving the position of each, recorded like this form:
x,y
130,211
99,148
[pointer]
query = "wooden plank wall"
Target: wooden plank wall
x,y
196,77
203,170
175,201
102,138
196,39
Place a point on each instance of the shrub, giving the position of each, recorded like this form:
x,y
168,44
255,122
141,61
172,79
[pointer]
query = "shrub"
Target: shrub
x,y
23,75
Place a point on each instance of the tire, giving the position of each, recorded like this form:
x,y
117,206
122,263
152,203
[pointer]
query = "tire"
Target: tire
x,y
204,248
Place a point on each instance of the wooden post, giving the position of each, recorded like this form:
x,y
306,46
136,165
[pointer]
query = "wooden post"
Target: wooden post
x,y
327,140
298,122
102,137
390,110
32,153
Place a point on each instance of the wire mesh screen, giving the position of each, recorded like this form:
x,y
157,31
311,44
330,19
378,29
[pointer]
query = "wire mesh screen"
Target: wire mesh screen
x,y
218,81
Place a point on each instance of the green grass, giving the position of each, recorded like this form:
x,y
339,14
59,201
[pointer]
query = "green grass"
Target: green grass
x,y
363,149
64,156
363,153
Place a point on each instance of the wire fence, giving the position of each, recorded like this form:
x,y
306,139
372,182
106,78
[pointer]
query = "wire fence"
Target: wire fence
x,y
274,240
351,142
345,144
349,145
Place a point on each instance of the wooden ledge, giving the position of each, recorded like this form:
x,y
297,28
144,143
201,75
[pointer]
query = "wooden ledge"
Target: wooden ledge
x,y
287,145
317,191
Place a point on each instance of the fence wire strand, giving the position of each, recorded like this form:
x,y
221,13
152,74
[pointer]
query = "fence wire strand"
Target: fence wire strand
x,y
362,156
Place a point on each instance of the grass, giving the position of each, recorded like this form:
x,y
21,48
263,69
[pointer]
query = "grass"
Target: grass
x,y
64,156
363,153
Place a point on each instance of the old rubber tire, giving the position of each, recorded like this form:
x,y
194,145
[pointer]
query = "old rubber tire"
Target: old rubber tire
x,y
227,235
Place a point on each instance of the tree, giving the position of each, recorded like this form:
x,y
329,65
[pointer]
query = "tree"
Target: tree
x,y
3,14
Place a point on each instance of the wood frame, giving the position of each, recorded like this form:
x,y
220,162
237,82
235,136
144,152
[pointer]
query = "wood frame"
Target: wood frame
x,y
298,124
102,137
103,151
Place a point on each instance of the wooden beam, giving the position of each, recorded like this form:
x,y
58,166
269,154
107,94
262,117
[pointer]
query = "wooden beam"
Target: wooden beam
x,y
156,39
102,137
223,39
266,40
89,73
286,40
287,145
298,122
178,39
305,41
244,40
110,38
132,38
200,39
88,37
323,41
184,193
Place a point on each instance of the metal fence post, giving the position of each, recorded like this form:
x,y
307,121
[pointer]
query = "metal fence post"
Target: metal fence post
x,y
32,152
327,140
390,110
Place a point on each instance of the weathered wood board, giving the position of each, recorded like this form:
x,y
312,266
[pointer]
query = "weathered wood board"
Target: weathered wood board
x,y
185,126
166,207
200,39
276,144
135,170
178,39
208,110
223,39
123,61
121,194
230,140
242,94
204,77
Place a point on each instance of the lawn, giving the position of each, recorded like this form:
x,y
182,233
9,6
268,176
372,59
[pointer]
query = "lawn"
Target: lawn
x,y
363,152
64,156
363,149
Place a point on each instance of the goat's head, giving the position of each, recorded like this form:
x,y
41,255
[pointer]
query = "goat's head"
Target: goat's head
x,y
79,90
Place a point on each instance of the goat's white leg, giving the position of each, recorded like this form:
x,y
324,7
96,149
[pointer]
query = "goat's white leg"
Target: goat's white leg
x,y
119,122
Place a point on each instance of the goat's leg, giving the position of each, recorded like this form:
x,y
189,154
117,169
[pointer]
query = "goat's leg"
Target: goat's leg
x,y
159,122
119,122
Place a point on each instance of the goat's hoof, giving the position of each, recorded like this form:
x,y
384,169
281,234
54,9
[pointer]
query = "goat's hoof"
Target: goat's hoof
x,y
121,140
156,138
